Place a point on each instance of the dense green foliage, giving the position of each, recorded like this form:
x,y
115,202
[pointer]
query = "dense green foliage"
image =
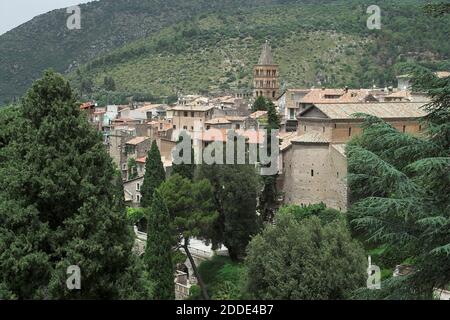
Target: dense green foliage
x,y
268,201
60,203
154,175
190,205
167,46
260,104
304,257
399,185
158,252
236,189
223,278
132,169
192,210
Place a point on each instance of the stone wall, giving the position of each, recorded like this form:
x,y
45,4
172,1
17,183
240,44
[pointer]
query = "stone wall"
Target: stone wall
x,y
315,173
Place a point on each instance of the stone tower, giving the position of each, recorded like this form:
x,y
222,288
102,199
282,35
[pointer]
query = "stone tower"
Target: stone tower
x,y
265,75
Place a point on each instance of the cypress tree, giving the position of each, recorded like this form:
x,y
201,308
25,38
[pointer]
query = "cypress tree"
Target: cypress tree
x,y
269,197
59,203
154,175
158,253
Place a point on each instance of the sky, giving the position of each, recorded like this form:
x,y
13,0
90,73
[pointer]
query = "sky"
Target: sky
x,y
15,12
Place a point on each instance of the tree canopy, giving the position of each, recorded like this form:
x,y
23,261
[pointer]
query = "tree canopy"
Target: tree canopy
x,y
304,257
154,175
399,188
60,204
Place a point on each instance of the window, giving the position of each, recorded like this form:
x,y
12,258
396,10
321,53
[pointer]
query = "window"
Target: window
x,y
192,114
138,186
185,127
312,172
124,166
185,114
304,128
337,174
238,126
175,127
323,129
420,128
404,129
138,198
350,131
192,128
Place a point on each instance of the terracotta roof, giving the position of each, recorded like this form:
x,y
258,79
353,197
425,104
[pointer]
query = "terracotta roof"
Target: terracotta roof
x,y
399,94
87,105
150,107
258,114
216,135
218,121
166,162
339,148
286,138
137,140
310,137
191,108
335,95
384,110
141,160
235,118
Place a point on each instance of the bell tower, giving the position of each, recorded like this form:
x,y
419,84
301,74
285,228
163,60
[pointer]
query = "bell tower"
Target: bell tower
x,y
265,75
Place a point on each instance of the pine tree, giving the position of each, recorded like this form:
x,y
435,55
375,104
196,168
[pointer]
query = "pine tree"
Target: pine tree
x,y
154,175
260,104
399,185
236,189
191,207
59,204
158,252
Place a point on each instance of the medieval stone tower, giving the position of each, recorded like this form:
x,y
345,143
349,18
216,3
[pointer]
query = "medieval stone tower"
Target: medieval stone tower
x,y
265,75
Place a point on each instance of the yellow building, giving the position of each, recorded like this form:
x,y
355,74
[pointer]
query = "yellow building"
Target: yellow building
x,y
266,75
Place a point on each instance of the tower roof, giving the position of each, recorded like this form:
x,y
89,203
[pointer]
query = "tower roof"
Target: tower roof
x,y
266,57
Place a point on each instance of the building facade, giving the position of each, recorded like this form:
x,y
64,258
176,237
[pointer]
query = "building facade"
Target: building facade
x,y
314,164
266,75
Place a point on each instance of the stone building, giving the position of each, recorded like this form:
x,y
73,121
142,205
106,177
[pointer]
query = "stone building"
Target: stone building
x,y
190,117
314,164
266,75
132,190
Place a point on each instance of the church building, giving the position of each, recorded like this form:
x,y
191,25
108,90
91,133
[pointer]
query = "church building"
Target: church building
x,y
266,75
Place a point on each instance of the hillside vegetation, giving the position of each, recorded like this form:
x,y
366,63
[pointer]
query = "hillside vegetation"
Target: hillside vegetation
x,y
158,48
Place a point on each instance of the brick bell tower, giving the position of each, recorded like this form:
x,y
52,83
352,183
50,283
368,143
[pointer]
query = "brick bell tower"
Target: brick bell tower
x,y
265,75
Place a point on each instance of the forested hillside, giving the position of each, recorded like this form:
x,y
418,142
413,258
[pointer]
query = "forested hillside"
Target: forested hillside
x,y
156,48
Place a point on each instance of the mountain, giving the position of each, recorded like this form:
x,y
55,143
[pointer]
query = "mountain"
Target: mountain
x,y
157,48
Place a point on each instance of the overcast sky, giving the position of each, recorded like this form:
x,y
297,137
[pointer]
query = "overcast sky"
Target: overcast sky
x,y
15,12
